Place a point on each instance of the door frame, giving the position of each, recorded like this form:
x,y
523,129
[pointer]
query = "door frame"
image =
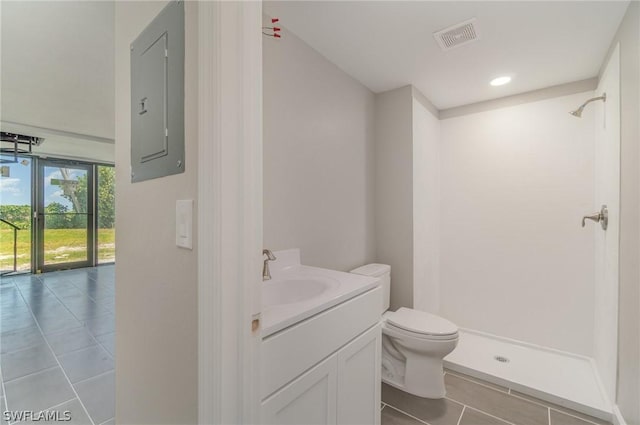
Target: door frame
x,y
229,211
38,215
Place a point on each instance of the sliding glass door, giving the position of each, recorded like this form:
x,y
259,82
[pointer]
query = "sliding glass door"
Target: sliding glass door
x,y
15,213
64,214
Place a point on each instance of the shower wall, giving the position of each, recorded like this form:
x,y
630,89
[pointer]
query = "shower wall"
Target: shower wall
x,y
515,262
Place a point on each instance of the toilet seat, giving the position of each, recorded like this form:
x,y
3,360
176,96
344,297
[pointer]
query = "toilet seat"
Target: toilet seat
x,y
419,324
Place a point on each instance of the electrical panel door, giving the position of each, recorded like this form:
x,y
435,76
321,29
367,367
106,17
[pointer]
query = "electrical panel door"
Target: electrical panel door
x,y
157,96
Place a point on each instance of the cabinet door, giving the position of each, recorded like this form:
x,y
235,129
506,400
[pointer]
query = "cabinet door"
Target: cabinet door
x,y
359,379
309,400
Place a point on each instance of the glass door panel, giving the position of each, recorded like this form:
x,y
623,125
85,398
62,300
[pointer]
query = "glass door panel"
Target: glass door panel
x,y
65,215
106,214
15,213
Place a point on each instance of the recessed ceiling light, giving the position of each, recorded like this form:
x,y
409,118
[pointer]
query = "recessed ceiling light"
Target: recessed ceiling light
x,y
500,81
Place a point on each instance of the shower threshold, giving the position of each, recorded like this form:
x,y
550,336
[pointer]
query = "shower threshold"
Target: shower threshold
x,y
562,378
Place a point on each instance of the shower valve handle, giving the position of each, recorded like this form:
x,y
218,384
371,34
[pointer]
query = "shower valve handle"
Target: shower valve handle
x,y
601,217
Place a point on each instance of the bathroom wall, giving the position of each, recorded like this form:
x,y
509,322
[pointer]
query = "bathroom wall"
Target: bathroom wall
x,y
394,191
318,157
156,299
426,205
515,182
407,196
607,243
628,393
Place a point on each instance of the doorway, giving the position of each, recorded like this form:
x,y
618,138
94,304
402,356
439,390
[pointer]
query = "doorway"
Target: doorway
x,y
65,215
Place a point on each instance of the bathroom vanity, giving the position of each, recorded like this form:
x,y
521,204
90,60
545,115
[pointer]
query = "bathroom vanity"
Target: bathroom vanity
x,y
320,346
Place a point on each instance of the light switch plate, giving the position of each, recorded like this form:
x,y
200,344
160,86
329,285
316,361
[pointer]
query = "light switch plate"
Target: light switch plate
x,y
184,223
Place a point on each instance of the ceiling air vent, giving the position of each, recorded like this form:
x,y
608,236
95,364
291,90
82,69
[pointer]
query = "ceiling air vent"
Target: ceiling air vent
x,y
457,35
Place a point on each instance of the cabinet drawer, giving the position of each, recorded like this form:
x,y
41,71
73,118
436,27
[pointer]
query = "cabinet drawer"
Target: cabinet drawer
x,y
288,353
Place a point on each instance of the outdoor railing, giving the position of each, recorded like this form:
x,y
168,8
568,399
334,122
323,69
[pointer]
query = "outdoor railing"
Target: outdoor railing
x,y
15,246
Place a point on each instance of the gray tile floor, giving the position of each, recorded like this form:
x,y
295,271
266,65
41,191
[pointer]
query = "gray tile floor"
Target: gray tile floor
x,y
57,344
471,401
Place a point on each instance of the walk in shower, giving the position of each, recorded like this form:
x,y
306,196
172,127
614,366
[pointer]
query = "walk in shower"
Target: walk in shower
x,y
529,265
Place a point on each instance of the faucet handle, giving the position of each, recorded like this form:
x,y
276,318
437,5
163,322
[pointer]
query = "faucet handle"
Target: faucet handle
x,y
601,217
269,254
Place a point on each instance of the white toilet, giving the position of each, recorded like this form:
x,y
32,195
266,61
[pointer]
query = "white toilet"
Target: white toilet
x,y
413,343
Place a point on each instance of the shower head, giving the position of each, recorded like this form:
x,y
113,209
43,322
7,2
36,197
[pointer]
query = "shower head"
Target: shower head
x,y
578,112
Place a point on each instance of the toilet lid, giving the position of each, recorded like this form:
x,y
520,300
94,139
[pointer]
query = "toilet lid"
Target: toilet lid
x,y
421,322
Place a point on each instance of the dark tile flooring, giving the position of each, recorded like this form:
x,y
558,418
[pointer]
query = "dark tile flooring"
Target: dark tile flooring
x,y
471,401
57,344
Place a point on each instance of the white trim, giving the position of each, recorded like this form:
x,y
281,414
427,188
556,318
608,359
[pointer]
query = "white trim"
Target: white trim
x,y
518,99
424,101
44,132
526,344
229,210
618,419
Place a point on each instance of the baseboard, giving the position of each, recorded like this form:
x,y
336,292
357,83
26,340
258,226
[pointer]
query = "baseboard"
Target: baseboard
x,y
617,416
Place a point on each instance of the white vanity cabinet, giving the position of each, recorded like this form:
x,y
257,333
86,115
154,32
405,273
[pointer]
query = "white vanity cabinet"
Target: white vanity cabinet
x,y
359,379
326,369
310,399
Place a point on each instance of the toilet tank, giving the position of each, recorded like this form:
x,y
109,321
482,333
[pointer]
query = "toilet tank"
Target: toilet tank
x,y
382,272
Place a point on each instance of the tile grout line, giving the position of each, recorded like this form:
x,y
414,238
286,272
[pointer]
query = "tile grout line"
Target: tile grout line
x,y
59,364
509,392
110,419
96,376
479,383
490,415
4,390
65,305
54,353
60,404
83,322
558,410
96,344
466,406
405,413
86,293
461,413
56,297
32,373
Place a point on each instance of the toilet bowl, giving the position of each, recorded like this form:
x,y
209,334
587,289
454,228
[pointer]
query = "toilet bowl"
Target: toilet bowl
x,y
414,343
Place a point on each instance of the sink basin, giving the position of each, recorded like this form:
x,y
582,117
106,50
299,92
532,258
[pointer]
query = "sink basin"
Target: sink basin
x,y
289,291
297,292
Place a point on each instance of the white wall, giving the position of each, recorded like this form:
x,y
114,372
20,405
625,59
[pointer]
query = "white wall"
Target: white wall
x,y
607,243
514,260
318,157
426,208
628,385
394,191
156,296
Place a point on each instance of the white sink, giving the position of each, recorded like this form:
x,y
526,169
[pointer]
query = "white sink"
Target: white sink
x,y
289,291
296,292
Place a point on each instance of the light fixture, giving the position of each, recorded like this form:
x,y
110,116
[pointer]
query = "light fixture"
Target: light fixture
x,y
500,81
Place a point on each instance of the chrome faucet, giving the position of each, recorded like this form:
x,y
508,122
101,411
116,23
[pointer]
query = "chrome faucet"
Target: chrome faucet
x,y
266,275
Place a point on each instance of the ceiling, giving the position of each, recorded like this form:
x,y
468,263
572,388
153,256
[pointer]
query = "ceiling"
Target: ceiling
x,y
389,44
58,66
